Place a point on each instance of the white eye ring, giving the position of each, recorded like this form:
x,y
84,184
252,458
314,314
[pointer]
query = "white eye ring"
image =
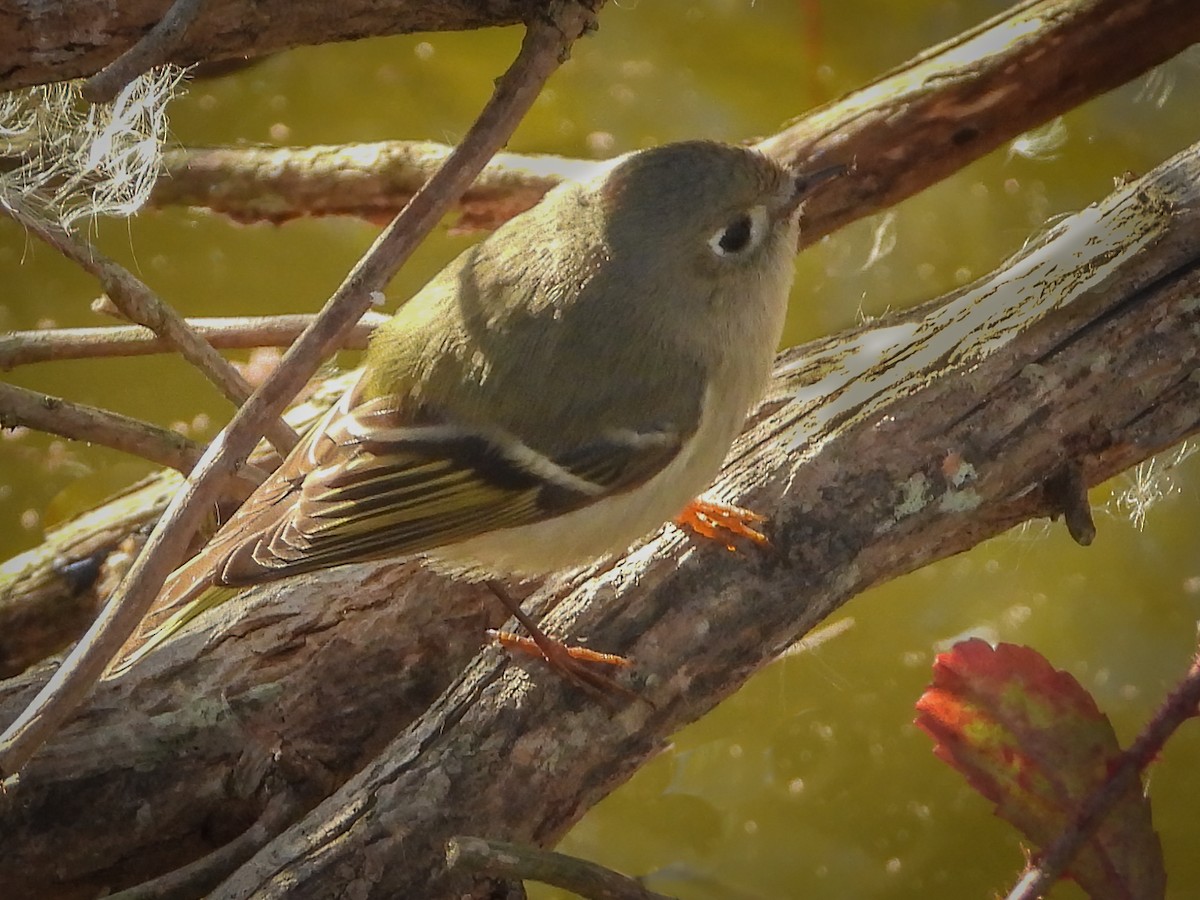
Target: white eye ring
x,y
741,234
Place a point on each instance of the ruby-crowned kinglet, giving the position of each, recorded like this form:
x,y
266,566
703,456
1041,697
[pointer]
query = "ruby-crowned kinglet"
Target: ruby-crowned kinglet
x,y
558,391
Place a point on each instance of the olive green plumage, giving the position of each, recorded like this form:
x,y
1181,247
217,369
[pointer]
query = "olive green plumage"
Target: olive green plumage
x,y
556,392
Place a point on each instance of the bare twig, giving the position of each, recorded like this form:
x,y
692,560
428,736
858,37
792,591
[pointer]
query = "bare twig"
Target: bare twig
x,y
520,862
153,48
547,43
20,348
139,304
80,422
19,406
1179,706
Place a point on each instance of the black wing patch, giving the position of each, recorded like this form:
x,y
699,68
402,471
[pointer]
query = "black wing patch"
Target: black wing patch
x,y
378,489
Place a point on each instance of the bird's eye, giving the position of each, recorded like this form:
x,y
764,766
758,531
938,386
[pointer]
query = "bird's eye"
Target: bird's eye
x,y
741,234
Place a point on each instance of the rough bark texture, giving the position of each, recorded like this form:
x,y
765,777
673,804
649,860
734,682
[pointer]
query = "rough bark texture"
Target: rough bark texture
x,y
43,42
878,451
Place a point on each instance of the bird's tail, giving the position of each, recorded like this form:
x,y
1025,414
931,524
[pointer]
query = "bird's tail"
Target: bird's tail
x,y
180,602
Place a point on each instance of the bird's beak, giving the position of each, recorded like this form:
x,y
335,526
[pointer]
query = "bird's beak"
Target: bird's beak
x,y
806,183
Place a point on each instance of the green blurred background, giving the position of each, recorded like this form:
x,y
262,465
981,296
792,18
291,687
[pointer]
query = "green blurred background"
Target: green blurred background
x,y
812,781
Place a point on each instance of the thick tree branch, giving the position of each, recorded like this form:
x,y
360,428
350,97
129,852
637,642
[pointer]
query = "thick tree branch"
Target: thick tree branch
x,y
46,42
970,95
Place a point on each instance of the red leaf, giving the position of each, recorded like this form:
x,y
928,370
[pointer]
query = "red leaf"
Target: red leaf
x,y
1031,739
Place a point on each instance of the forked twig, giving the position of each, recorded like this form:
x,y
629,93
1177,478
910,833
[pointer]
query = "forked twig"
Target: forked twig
x,y
203,874
517,862
141,305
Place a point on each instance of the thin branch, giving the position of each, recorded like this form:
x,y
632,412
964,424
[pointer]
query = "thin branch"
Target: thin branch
x,y
1179,706
78,422
547,43
371,180
140,305
20,348
520,862
199,877
153,48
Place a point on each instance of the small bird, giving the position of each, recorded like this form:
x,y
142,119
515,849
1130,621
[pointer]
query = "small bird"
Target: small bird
x,y
561,389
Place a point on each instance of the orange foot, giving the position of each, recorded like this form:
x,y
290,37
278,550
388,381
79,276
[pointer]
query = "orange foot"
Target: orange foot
x,y
568,661
571,662
721,522
559,652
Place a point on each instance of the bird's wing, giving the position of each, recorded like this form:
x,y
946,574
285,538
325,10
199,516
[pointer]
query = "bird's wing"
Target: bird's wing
x,y
383,486
197,584
365,484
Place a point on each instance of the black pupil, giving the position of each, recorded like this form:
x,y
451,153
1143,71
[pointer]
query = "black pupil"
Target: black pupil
x,y
736,236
